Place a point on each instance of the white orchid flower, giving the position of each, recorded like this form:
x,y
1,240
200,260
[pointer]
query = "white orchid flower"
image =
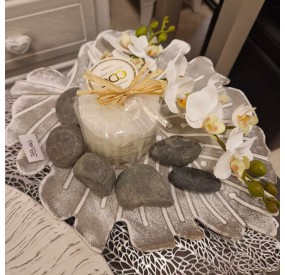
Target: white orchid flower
x,y
219,81
140,48
237,157
154,50
139,45
125,40
137,61
129,44
203,110
178,85
243,118
213,125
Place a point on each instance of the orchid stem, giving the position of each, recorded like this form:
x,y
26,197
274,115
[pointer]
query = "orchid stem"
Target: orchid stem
x,y
222,144
248,176
230,127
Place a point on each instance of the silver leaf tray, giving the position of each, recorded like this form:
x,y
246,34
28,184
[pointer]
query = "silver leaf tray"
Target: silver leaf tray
x,y
230,212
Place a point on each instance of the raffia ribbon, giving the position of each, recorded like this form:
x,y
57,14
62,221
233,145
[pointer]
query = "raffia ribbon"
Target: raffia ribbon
x,y
142,84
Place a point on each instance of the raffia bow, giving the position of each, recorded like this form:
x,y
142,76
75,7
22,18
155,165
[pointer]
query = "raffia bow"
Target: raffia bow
x,y
141,84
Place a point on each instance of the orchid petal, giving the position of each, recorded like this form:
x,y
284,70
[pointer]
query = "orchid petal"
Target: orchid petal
x,y
184,85
154,50
235,139
143,41
194,124
235,114
113,41
211,118
238,167
218,110
182,66
222,169
139,42
246,110
244,148
170,98
246,162
215,128
212,91
240,111
198,105
253,120
125,40
153,41
212,125
139,52
243,118
171,72
151,63
182,102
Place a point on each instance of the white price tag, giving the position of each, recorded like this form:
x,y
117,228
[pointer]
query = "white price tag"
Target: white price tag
x,y
31,147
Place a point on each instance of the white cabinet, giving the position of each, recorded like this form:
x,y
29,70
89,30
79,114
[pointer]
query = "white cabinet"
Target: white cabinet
x,y
55,30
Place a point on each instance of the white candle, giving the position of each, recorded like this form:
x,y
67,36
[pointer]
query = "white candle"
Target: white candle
x,y
121,133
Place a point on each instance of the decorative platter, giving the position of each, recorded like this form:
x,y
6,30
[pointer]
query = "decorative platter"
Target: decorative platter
x,y
227,232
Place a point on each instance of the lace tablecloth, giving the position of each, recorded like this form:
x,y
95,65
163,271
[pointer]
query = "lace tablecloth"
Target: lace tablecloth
x,y
254,253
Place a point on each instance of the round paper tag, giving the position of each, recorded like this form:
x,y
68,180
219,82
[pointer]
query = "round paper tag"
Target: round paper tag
x,y
120,72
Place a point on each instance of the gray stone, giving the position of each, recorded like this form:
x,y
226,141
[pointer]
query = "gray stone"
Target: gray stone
x,y
65,145
141,185
175,151
64,107
96,173
194,180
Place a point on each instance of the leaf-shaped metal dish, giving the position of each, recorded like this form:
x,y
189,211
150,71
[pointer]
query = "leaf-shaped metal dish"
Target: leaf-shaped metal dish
x,y
227,212
254,253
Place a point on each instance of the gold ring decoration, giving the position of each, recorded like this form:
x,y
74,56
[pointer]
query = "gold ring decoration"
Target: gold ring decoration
x,y
143,83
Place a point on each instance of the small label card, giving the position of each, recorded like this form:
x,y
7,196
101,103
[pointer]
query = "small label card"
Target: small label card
x,y
118,71
31,147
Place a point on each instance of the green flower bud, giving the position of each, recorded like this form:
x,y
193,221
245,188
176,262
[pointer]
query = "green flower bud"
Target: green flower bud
x,y
270,188
154,24
255,189
271,207
171,28
162,37
141,31
272,199
257,168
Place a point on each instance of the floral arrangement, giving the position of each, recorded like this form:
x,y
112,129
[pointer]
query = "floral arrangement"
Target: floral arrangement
x,y
202,109
140,47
